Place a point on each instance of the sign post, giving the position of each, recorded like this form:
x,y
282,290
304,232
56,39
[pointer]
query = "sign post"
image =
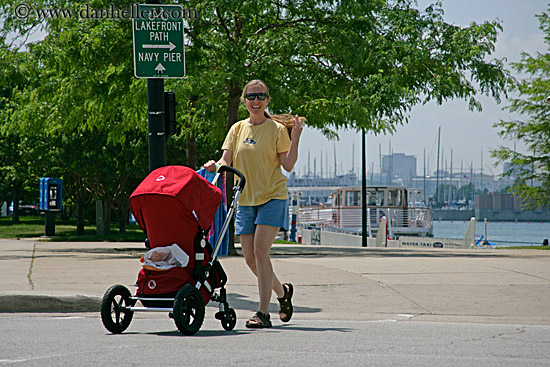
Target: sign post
x,y
158,54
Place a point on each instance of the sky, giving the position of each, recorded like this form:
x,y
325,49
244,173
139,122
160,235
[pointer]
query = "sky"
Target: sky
x,y
468,134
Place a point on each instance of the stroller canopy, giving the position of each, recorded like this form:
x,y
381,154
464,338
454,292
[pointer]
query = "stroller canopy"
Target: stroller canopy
x,y
174,194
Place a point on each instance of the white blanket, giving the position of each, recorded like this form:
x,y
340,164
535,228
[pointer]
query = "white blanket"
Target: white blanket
x,y
164,258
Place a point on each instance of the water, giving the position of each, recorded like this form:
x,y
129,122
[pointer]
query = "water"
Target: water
x,y
503,234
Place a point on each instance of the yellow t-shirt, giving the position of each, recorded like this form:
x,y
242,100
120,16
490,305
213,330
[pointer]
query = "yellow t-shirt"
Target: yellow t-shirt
x,y
256,151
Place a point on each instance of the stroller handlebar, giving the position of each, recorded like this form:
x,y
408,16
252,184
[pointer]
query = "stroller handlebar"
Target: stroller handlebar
x,y
235,172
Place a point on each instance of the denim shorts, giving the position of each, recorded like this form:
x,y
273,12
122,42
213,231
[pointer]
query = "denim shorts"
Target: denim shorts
x,y
273,213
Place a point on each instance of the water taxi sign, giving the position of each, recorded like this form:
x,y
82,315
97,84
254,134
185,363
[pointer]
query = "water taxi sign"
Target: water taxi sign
x,y
158,41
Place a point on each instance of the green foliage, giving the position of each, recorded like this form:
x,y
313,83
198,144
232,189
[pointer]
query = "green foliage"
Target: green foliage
x,y
340,63
72,103
532,168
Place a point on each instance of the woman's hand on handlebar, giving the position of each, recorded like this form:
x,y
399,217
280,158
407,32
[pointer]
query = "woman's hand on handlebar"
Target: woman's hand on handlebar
x,y
226,159
210,166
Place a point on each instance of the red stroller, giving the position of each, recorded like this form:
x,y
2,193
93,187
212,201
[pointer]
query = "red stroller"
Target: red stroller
x,y
175,205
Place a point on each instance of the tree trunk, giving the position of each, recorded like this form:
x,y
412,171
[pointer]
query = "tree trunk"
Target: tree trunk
x,y
190,142
107,217
122,208
79,218
122,211
122,221
191,151
233,101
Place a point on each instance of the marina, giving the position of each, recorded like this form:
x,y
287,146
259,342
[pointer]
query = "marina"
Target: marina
x,y
446,234
329,210
502,234
338,219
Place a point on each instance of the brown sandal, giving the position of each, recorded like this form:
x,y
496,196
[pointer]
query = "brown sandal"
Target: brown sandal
x,y
285,303
258,321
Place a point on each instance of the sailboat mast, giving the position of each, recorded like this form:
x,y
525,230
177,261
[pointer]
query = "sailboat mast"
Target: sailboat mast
x,y
437,169
335,166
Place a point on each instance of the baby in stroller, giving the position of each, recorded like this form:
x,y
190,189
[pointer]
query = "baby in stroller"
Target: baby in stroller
x,y
175,207
164,258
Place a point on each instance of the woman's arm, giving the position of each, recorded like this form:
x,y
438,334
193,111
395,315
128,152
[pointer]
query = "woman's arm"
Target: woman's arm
x,y
288,159
225,160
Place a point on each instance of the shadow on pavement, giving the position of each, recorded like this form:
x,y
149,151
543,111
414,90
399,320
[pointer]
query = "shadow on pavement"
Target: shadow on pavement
x,y
241,302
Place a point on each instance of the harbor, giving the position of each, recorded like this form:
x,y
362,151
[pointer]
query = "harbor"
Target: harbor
x,y
502,234
441,209
446,234
397,217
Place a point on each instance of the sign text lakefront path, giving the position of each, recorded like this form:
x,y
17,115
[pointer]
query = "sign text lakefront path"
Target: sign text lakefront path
x,y
159,41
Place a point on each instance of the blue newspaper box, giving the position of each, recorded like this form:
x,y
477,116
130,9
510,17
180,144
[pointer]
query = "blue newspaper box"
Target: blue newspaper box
x,y
51,194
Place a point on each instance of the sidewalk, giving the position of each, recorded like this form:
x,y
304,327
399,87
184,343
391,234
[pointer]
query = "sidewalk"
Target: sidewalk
x,y
331,283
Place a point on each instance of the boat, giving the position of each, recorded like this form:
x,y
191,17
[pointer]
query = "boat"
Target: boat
x,y
403,208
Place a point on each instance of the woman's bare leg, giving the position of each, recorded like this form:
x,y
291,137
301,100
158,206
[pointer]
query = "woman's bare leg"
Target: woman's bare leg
x,y
256,249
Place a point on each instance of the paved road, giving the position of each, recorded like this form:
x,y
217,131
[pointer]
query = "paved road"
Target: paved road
x,y
80,340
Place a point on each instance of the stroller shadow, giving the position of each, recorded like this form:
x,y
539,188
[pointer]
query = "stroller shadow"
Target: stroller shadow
x,y
240,332
241,302
199,334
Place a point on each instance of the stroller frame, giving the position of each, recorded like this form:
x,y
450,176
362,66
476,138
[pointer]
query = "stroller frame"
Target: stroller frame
x,y
188,308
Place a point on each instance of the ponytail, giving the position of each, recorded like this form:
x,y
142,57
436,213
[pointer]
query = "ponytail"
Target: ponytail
x,y
286,119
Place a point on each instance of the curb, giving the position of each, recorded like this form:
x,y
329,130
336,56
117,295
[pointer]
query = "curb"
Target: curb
x,y
49,303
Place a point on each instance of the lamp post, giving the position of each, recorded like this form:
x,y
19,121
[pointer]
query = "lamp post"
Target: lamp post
x,y
363,190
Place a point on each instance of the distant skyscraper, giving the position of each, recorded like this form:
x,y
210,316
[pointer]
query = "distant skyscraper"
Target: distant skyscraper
x,y
399,165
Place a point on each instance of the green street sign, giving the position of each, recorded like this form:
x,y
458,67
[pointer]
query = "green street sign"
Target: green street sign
x,y
158,41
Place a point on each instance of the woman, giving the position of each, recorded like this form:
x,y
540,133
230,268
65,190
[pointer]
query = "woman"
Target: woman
x,y
258,147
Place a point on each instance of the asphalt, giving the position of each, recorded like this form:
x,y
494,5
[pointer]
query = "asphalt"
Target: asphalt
x,y
501,286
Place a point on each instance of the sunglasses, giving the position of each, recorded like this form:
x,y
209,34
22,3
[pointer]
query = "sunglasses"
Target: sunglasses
x,y
252,96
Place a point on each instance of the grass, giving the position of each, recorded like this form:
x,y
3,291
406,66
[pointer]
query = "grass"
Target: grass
x,y
283,242
526,247
65,230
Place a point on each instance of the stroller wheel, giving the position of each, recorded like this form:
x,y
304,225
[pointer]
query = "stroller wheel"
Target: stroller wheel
x,y
114,315
189,310
229,319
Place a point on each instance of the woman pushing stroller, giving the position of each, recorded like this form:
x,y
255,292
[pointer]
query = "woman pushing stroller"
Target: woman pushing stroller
x,y
258,146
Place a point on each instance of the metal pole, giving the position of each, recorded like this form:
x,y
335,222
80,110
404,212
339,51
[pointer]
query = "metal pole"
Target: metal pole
x,y
49,223
364,191
156,134
157,141
437,168
293,229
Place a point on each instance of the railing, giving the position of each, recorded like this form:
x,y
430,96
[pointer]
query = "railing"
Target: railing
x,y
350,218
315,216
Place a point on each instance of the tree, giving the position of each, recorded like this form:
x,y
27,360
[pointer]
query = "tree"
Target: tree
x,y
17,151
530,169
341,63
82,105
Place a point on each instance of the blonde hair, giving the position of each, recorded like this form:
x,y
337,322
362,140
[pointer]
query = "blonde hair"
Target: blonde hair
x,y
286,118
